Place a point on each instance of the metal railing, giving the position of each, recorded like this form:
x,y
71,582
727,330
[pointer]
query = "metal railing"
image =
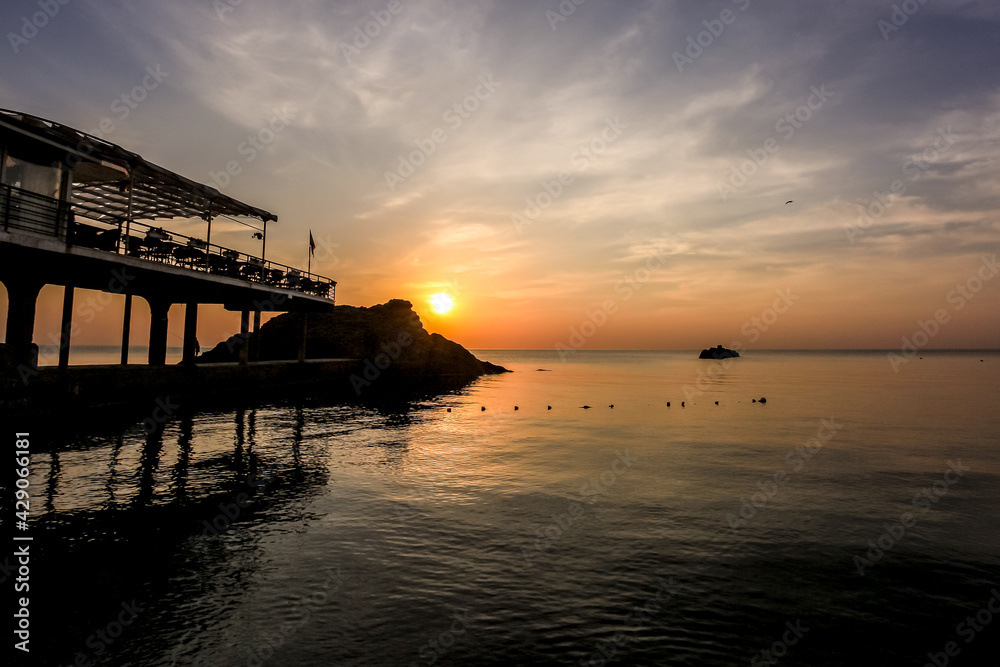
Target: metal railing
x,y
20,209
23,209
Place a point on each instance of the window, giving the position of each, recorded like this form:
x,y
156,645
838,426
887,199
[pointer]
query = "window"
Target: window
x,y
37,178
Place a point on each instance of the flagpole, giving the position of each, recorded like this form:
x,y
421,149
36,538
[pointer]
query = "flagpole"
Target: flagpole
x,y
310,260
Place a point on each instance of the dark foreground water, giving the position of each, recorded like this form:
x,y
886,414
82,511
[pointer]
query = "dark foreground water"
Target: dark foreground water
x,y
852,519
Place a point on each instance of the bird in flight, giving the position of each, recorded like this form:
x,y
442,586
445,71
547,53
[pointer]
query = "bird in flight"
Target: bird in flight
x,y
788,202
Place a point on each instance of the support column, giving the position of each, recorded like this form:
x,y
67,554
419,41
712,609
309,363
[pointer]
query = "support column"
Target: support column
x,y
67,327
22,296
255,347
126,327
302,338
190,333
244,336
158,310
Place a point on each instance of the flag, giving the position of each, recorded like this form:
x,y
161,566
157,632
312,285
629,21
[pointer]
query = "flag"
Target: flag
x,y
312,244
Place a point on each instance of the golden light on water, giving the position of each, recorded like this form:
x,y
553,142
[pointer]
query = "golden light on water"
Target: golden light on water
x,y
441,303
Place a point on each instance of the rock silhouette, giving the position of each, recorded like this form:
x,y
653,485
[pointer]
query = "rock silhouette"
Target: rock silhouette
x,y
718,352
389,336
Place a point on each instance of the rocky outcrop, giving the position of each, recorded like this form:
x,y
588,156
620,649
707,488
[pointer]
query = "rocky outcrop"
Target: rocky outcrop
x,y
391,344
718,352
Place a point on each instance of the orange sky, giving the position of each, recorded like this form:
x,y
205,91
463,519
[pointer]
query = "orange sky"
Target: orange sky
x,y
820,310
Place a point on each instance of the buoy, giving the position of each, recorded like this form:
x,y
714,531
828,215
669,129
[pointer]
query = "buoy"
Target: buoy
x,y
515,407
449,409
482,409
763,400
550,407
716,402
668,404
754,400
682,404
612,405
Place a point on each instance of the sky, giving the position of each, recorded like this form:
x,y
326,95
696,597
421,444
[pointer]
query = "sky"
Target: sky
x,y
577,174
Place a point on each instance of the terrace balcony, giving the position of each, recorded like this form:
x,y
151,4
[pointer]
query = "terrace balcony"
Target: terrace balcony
x,y
81,212
22,210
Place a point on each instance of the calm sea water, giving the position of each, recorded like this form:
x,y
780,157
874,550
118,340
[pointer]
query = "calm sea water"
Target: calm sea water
x,y
83,355
852,519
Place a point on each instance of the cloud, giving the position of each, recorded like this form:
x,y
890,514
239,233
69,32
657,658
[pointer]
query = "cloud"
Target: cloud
x,y
363,103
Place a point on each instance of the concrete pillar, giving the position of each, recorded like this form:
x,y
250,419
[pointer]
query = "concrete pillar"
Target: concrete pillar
x,y
190,333
67,327
158,310
21,298
302,338
244,336
126,327
255,347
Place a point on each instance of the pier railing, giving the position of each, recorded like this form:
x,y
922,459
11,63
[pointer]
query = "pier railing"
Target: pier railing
x,y
24,210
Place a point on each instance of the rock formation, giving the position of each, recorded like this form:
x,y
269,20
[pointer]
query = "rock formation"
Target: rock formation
x,y
388,340
718,352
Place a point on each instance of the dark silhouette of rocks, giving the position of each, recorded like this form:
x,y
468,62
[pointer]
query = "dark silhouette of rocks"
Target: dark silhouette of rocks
x,y
718,352
391,344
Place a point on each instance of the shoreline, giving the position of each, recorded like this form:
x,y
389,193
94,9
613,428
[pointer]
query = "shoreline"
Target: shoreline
x,y
166,389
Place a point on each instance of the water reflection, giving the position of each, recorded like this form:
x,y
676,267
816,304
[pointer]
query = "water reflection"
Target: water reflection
x,y
166,516
183,456
300,423
50,488
239,438
148,464
116,448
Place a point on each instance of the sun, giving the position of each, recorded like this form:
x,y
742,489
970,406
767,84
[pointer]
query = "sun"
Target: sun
x,y
441,303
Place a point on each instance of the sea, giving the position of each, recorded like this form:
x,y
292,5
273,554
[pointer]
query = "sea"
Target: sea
x,y
589,508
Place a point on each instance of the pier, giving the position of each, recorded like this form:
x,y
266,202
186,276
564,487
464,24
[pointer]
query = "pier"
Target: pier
x,y
83,213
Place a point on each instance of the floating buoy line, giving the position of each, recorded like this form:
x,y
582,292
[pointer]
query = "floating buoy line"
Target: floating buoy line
x,y
762,400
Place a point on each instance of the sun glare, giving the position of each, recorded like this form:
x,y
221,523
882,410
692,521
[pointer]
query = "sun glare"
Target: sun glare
x,y
442,303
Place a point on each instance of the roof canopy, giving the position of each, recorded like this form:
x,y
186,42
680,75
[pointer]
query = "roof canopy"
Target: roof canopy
x,y
106,176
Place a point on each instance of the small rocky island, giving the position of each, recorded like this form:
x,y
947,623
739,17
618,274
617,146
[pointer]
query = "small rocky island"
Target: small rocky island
x,y
718,352
393,349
